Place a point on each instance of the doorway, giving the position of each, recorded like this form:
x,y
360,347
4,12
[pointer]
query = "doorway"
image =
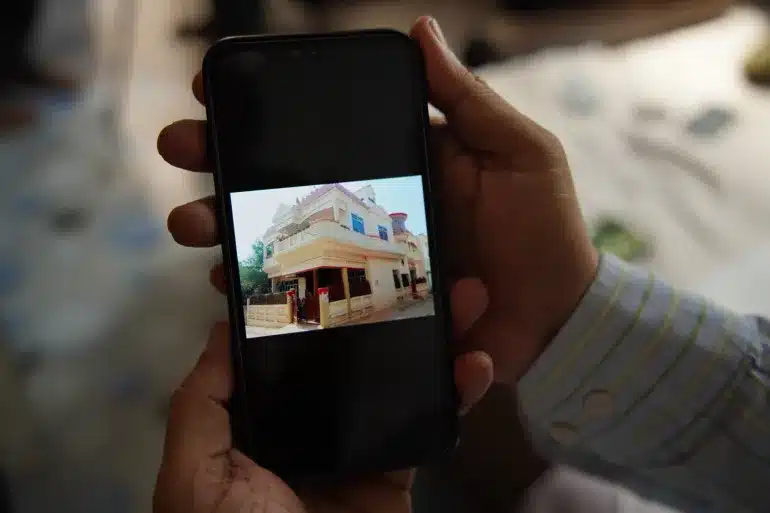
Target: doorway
x,y
309,311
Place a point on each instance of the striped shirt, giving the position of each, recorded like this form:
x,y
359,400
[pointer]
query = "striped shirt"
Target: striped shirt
x,y
660,391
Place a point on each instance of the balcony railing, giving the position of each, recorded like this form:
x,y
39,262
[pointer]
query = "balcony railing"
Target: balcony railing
x,y
332,230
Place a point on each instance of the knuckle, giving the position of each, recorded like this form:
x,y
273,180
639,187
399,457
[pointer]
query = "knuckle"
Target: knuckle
x,y
552,144
549,148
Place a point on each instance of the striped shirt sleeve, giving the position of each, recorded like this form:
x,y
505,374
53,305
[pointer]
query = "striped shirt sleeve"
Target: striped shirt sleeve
x,y
564,490
664,383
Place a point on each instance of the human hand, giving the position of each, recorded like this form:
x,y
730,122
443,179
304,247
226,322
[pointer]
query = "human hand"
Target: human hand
x,y
201,472
508,200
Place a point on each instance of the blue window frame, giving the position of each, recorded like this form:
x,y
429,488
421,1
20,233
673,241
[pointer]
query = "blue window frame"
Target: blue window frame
x,y
358,223
383,232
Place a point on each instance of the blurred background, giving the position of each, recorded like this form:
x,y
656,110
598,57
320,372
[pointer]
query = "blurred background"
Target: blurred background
x,y
662,106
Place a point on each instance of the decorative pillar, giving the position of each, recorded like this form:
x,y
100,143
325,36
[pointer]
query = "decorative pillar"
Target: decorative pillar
x,y
291,301
346,286
323,306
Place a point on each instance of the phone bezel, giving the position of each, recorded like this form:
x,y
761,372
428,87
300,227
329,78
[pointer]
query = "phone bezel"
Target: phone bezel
x,y
239,408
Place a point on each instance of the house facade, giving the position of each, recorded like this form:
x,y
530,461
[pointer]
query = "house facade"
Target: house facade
x,y
425,247
343,242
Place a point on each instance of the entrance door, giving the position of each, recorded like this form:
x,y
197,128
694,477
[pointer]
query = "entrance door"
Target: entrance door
x,y
312,309
413,279
310,306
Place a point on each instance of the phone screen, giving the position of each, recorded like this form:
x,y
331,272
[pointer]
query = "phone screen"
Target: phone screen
x,y
337,304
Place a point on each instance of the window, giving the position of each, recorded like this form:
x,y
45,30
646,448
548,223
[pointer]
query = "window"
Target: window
x,y
288,285
357,283
383,232
396,279
405,280
356,275
358,223
269,250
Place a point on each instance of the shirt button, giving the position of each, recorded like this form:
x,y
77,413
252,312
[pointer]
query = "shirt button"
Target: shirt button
x,y
598,404
564,433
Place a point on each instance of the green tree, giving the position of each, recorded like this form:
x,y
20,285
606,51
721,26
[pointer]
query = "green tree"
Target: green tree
x,y
254,279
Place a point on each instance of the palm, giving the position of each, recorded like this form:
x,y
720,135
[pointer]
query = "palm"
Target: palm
x,y
383,492
231,483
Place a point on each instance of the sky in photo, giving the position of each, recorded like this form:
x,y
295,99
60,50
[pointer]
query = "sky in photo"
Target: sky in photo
x,y
253,210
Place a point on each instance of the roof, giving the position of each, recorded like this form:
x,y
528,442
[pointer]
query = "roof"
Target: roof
x,y
326,188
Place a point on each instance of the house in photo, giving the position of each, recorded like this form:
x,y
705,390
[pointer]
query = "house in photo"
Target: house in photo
x,y
346,245
415,259
425,248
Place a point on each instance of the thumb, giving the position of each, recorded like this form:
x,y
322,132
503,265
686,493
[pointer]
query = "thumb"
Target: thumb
x,y
478,116
199,423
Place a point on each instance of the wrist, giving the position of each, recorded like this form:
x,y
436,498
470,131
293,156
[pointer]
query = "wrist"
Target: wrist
x,y
561,297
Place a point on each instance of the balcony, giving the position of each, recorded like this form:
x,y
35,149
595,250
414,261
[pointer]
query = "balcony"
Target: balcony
x,y
333,231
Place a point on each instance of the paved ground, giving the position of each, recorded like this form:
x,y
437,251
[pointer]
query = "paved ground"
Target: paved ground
x,y
255,331
409,311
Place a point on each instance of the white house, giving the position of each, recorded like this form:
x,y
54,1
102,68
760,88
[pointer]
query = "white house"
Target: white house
x,y
345,242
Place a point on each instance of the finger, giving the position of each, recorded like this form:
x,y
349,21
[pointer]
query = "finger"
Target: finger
x,y
183,144
217,278
194,224
474,373
468,301
199,424
481,118
457,183
197,88
211,376
494,334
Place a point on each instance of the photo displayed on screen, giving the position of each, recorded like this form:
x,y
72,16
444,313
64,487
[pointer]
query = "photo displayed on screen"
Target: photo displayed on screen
x,y
339,254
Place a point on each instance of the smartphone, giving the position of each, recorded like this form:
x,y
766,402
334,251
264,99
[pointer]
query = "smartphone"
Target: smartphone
x,y
327,209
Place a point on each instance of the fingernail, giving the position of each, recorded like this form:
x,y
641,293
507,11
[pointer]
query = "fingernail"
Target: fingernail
x,y
437,32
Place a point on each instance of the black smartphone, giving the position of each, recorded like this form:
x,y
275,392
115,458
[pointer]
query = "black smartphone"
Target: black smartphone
x,y
339,315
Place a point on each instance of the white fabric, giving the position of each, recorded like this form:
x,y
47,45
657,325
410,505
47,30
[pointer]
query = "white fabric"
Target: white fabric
x,y
563,490
696,228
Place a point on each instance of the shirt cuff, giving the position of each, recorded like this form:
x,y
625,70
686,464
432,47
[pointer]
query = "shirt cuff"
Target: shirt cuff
x,y
638,361
554,373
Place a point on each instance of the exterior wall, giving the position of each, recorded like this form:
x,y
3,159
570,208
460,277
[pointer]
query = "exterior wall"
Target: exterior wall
x,y
332,206
338,312
412,245
360,307
371,220
328,206
380,272
426,253
331,242
268,316
327,244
